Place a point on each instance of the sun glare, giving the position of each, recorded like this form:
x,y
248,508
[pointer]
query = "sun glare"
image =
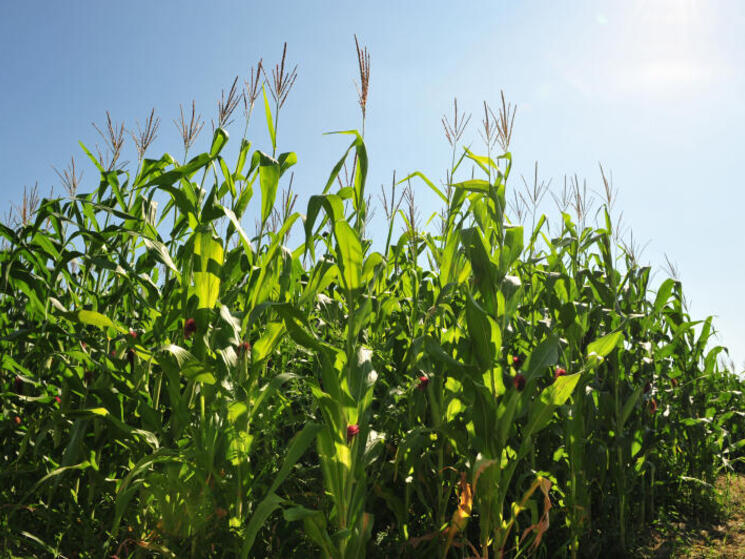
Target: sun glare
x,y
666,49
649,50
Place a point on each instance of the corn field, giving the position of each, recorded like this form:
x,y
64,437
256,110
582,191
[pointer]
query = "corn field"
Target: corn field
x,y
495,383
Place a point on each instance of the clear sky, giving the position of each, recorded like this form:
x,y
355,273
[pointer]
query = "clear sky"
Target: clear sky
x,y
653,89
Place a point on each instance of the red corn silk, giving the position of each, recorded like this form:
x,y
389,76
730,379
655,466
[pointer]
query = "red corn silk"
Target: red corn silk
x,y
131,360
559,372
519,382
190,326
423,382
352,431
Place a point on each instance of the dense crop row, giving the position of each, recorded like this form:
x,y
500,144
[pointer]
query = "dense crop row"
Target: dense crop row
x,y
172,386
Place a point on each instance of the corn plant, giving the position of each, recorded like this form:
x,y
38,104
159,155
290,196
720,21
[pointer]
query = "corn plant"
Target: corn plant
x,y
492,382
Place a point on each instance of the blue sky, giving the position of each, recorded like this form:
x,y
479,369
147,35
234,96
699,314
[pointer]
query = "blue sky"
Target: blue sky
x,y
652,89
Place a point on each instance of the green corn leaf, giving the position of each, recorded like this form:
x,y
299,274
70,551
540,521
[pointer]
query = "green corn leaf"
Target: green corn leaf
x,y
314,523
286,160
172,177
209,258
147,436
198,373
543,356
473,185
295,450
236,410
269,119
218,142
229,182
97,319
629,405
349,248
241,161
513,246
56,472
38,541
267,391
601,347
263,511
428,182
481,160
358,144
350,254
449,260
268,342
484,270
480,328
162,253
245,241
550,398
537,230
331,203
269,172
